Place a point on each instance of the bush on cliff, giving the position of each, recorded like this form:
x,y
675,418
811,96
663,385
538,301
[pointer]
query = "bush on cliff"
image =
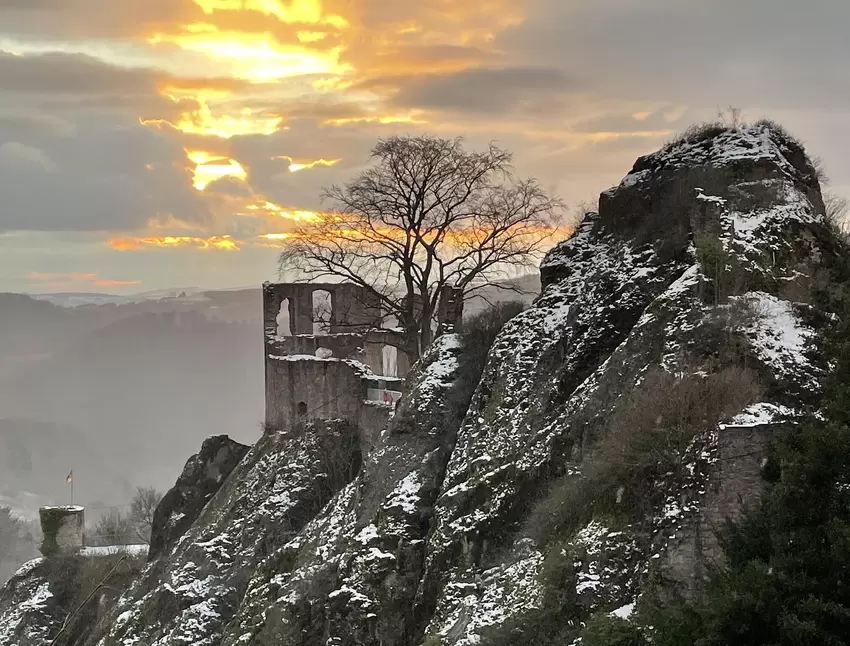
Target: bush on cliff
x,y
606,630
480,331
787,579
647,438
788,574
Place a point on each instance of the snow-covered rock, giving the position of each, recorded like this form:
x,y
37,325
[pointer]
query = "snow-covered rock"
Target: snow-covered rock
x,y
424,532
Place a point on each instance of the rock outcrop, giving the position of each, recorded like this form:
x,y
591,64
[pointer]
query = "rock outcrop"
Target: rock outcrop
x,y
201,478
29,614
697,272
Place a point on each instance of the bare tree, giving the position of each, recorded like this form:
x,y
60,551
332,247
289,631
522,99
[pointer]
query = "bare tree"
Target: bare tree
x,y
113,528
17,543
118,528
427,215
142,510
731,117
835,209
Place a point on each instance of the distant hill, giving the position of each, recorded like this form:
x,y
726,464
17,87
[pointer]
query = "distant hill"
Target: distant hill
x,y
524,288
122,391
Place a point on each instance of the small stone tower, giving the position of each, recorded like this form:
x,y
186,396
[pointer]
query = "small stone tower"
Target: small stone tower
x,y
63,529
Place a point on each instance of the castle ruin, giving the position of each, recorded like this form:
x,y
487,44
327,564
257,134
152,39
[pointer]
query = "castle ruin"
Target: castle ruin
x,y
328,356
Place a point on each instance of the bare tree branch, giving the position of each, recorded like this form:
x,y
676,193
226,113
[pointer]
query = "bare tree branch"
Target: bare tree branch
x,y
427,215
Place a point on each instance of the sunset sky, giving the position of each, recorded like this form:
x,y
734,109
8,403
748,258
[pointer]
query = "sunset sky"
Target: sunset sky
x,y
148,144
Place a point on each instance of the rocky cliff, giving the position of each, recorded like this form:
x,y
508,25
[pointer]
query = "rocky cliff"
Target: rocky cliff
x,y
617,423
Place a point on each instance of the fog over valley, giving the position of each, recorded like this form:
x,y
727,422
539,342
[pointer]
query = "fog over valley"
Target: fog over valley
x,y
122,394
123,389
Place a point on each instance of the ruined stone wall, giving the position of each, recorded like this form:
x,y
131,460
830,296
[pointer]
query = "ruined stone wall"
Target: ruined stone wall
x,y
301,388
353,309
311,376
734,487
63,529
341,346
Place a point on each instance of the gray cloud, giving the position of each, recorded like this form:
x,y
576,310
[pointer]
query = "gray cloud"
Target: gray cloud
x,y
71,140
67,82
97,175
486,90
766,53
48,19
308,140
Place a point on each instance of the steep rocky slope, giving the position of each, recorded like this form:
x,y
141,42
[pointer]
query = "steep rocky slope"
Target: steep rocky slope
x,y
687,295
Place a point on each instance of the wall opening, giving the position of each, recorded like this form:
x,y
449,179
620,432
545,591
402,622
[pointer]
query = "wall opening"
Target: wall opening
x,y
322,311
390,361
284,323
302,409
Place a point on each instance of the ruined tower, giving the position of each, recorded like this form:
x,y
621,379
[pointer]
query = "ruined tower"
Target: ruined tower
x,y
63,529
327,355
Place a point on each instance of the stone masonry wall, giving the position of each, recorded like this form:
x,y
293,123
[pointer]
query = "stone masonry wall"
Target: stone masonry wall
x,y
302,388
735,485
63,529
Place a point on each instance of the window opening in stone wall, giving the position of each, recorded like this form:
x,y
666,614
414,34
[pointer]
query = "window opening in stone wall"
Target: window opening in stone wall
x,y
390,361
302,409
284,324
322,309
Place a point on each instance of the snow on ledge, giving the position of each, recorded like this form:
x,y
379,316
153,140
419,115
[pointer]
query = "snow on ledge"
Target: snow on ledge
x,y
110,550
758,415
778,337
624,612
28,567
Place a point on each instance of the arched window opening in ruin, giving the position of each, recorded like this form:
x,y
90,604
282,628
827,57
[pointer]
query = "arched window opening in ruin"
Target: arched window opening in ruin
x,y
284,324
390,361
324,353
302,409
322,310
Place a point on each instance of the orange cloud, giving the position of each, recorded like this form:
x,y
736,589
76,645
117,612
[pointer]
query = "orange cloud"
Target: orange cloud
x,y
293,11
116,283
65,280
275,210
324,46
294,166
274,240
223,243
200,118
258,58
209,168
413,117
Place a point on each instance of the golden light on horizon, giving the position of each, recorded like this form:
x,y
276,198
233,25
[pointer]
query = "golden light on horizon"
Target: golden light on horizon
x,y
311,36
294,166
209,168
202,120
291,12
600,136
412,118
258,58
223,243
64,279
288,213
